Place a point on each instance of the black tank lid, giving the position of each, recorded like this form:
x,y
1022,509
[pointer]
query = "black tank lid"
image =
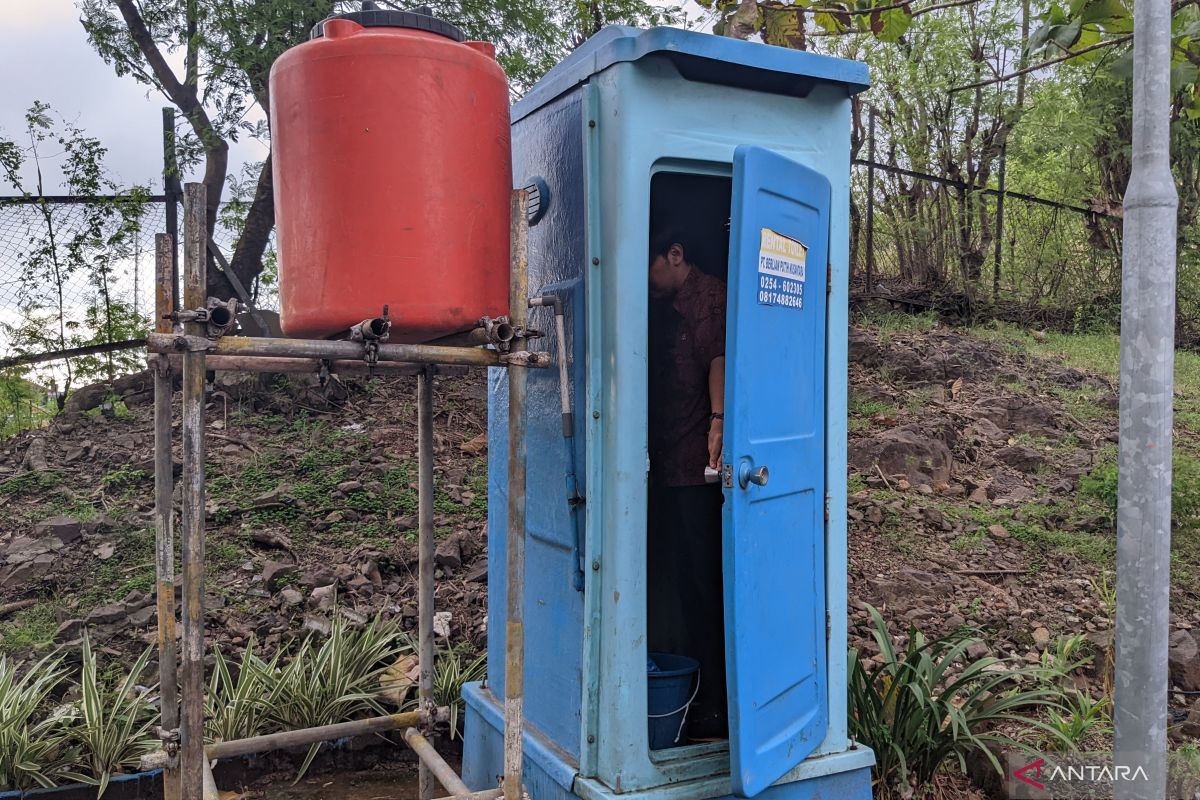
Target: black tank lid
x,y
371,16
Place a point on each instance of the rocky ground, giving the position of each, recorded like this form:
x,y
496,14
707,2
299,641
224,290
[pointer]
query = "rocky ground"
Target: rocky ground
x,y
971,506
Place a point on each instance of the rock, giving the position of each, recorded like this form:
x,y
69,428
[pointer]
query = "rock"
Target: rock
x,y
361,585
475,446
279,541
276,573
1183,660
133,384
405,523
291,597
105,550
322,598
317,624
999,531
23,572
478,573
141,618
86,398
1041,637
100,525
370,571
108,615
448,554
69,631
904,451
343,572
985,429
346,487
318,578
1020,457
978,495
67,529
441,624
277,495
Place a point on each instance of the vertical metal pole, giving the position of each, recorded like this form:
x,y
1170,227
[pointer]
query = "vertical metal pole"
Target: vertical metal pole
x,y
1147,385
870,200
514,629
425,549
171,191
192,728
164,490
999,251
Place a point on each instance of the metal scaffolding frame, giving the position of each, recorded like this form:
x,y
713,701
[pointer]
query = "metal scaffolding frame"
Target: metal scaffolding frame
x,y
192,340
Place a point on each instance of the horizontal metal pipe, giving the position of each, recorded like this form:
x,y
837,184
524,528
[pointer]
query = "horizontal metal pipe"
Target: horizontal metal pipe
x,y
303,365
321,348
286,739
444,773
485,794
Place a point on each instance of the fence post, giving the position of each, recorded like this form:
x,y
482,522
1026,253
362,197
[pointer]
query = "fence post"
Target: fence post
x,y
870,200
172,192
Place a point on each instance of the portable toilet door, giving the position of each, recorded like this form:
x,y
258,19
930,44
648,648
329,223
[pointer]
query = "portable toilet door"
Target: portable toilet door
x,y
774,467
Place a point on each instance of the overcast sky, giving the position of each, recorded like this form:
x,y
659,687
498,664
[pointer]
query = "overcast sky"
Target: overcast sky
x,y
45,55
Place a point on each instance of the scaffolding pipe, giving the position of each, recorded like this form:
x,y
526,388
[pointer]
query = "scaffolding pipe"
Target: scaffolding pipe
x,y
164,490
192,718
331,349
486,794
425,598
1147,388
306,736
514,629
274,364
434,763
210,783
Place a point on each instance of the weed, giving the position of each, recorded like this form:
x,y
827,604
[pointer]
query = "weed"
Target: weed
x,y
31,482
124,477
30,628
1080,720
930,704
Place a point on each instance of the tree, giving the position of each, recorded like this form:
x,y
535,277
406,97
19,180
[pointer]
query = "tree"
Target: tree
x,y
72,252
228,46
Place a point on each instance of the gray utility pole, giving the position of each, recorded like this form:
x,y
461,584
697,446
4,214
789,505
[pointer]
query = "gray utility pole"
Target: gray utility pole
x,y
1147,387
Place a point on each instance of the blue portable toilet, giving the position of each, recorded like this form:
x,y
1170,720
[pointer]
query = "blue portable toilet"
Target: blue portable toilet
x,y
749,145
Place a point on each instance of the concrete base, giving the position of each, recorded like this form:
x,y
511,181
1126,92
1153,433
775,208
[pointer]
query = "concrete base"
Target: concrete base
x,y
551,774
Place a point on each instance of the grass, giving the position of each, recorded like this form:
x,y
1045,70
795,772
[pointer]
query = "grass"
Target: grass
x,y
29,629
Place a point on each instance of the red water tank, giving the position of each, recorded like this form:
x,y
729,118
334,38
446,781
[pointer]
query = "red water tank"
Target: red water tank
x,y
392,168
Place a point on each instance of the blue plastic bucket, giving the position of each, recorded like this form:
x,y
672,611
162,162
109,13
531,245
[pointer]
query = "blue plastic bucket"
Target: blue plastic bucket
x,y
673,682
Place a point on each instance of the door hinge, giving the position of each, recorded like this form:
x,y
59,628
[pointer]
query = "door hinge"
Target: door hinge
x,y
828,279
827,507
828,626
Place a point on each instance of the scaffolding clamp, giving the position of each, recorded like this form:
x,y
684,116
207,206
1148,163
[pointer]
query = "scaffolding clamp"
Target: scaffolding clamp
x,y
526,358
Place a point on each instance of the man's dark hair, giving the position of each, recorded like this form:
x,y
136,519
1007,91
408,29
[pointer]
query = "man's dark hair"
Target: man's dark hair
x,y
660,243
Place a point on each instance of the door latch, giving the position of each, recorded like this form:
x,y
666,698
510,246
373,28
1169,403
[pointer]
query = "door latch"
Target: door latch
x,y
727,476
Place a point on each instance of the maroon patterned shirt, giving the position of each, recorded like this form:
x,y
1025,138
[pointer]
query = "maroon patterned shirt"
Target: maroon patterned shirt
x,y
686,334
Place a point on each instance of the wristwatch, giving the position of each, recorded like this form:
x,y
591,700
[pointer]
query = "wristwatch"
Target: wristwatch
x,y
716,415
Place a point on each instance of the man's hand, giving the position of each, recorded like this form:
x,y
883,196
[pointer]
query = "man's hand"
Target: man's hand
x,y
716,430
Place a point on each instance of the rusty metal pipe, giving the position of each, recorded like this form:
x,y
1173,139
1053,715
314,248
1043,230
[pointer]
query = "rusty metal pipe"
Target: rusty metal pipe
x,y
305,365
329,349
425,548
371,330
324,733
485,794
430,759
164,490
192,719
514,628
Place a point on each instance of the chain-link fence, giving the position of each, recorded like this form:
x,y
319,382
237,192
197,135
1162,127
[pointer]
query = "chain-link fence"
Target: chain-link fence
x,y
927,239
79,275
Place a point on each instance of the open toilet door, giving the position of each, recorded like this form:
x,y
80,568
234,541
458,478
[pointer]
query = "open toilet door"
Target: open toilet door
x,y
774,467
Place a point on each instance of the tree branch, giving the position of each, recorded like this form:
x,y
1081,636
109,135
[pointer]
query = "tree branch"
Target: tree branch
x,y
866,11
1100,45
184,96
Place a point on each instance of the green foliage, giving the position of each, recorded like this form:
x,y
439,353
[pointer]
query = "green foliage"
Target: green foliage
x,y
1081,719
115,722
234,707
455,667
1101,483
34,751
334,680
929,705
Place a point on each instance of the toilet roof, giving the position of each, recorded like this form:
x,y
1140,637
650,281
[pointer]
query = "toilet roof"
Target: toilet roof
x,y
698,57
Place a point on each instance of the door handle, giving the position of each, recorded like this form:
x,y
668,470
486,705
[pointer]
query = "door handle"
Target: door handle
x,y
747,474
